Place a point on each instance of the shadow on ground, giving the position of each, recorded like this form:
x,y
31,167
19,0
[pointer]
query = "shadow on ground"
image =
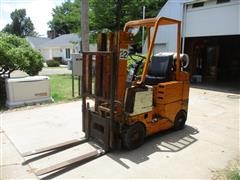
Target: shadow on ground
x,y
168,141
227,87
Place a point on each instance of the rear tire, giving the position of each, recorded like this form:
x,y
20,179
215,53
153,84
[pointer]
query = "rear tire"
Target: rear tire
x,y
133,136
180,120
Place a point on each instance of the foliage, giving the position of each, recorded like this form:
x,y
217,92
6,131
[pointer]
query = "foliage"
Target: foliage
x,y
101,16
104,14
132,61
66,18
231,171
21,25
115,13
53,63
17,54
60,60
61,87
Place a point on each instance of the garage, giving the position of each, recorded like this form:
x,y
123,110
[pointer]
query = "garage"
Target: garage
x,y
210,36
212,39
214,59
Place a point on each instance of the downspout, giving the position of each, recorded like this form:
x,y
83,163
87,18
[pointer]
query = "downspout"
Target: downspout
x,y
184,25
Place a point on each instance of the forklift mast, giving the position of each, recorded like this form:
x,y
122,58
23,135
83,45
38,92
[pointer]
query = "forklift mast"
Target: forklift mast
x,y
105,85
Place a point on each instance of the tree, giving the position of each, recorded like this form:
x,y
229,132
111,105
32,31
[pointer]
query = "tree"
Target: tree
x,y
17,54
104,14
66,18
21,25
115,13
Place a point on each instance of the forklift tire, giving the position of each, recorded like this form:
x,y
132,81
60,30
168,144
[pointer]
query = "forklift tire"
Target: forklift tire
x,y
180,120
133,136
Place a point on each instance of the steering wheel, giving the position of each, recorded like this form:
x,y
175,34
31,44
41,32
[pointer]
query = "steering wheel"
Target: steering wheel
x,y
136,66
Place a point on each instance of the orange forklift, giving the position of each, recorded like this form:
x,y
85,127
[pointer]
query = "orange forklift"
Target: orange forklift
x,y
119,107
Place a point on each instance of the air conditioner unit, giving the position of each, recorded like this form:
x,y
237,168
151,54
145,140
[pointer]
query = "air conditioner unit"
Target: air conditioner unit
x,y
77,64
27,90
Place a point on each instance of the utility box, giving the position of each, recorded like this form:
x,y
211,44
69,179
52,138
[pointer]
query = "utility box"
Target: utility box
x,y
77,64
27,90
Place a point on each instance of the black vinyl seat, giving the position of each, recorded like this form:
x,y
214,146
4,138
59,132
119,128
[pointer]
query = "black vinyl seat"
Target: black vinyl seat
x,y
159,69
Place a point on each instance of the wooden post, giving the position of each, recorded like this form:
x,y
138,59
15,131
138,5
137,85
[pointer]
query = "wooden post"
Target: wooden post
x,y
85,47
84,25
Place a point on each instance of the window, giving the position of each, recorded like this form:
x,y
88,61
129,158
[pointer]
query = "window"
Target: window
x,y
222,1
67,53
200,4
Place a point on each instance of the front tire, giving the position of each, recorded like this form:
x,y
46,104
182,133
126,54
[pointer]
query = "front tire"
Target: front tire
x,y
133,136
180,120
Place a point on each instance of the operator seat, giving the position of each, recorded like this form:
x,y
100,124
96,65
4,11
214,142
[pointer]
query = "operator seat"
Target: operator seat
x,y
159,69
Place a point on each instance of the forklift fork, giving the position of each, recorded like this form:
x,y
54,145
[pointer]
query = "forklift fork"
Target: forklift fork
x,y
98,129
56,147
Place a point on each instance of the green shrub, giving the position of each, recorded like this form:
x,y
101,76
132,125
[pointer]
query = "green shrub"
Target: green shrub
x,y
17,54
131,62
53,63
59,59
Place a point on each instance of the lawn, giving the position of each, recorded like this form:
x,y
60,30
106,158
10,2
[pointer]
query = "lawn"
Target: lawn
x,y
61,87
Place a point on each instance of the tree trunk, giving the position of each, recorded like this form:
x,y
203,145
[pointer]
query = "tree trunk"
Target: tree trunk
x,y
118,14
84,25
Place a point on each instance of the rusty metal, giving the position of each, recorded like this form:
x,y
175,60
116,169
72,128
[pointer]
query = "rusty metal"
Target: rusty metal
x,y
98,123
70,162
96,126
63,145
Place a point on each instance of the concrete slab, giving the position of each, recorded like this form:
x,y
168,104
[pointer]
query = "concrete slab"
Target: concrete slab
x,y
11,162
45,125
209,141
45,71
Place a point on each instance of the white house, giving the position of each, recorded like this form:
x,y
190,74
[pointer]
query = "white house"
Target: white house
x,y
210,35
60,47
36,42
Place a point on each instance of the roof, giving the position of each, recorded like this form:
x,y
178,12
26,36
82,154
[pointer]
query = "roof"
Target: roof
x,y
37,41
63,40
194,1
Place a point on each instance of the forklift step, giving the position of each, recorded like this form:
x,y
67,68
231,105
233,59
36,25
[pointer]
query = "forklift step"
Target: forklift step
x,y
80,159
62,146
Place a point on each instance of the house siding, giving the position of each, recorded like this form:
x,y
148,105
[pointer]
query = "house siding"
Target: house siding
x,y
210,35
213,19
210,20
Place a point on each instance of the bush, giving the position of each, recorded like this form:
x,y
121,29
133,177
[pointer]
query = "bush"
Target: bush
x,y
53,63
131,63
17,54
60,60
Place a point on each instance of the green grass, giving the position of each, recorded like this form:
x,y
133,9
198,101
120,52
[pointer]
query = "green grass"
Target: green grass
x,y
230,172
61,87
